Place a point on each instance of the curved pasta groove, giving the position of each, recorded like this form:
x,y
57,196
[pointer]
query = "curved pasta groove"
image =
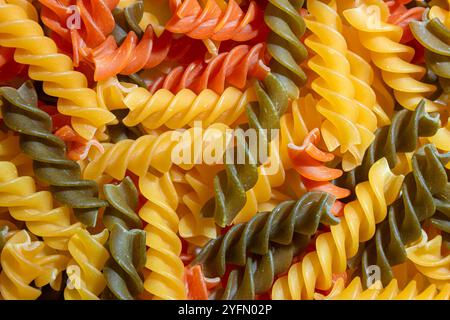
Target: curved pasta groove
x,y
24,203
75,98
126,245
433,34
342,242
425,191
355,291
428,259
231,184
157,152
271,238
382,39
230,68
37,262
401,136
182,109
166,277
349,120
283,44
22,115
88,259
213,22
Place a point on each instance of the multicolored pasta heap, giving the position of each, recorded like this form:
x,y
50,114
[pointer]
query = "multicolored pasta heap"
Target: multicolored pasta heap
x,y
224,149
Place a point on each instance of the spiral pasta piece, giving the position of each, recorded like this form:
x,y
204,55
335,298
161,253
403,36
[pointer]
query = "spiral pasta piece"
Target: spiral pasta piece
x,y
350,122
428,259
419,200
230,68
299,218
88,259
37,262
166,277
175,111
355,291
21,114
127,247
231,184
433,34
308,160
401,136
19,195
382,39
287,51
75,99
213,22
156,152
342,242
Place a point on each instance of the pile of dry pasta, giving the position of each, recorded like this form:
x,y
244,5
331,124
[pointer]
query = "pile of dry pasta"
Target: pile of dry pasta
x,y
224,149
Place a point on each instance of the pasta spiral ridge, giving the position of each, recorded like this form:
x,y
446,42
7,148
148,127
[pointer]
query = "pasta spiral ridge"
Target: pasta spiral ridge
x,y
88,257
230,68
349,124
154,152
213,22
299,218
283,44
400,136
355,291
309,161
434,35
342,242
19,195
21,114
427,181
284,233
127,247
382,39
166,277
37,262
18,31
231,184
175,111
429,259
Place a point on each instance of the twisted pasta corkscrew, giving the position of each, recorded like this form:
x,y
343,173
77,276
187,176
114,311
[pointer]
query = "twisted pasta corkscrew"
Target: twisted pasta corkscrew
x,y
299,218
231,184
394,59
21,114
429,259
166,278
434,35
37,262
156,152
88,258
349,124
355,291
127,247
174,111
308,160
227,68
286,28
24,203
213,22
18,31
427,181
399,137
342,242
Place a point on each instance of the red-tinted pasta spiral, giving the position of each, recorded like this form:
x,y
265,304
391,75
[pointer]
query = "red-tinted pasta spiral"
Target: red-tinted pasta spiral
x,y
211,22
96,22
228,68
400,15
132,55
308,161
